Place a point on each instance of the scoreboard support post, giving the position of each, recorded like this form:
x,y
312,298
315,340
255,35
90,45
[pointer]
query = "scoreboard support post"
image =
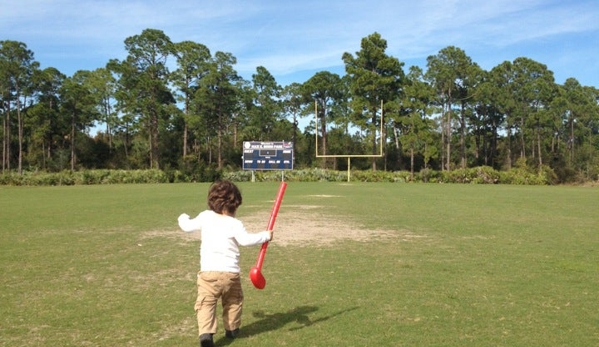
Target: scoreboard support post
x,y
254,175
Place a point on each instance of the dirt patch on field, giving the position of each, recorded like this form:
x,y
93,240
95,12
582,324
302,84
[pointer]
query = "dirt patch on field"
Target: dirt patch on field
x,y
306,225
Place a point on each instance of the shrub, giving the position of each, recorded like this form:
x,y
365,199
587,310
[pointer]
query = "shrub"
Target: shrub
x,y
520,176
209,173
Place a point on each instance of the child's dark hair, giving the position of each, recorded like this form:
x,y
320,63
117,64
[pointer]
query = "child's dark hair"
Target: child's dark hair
x,y
224,197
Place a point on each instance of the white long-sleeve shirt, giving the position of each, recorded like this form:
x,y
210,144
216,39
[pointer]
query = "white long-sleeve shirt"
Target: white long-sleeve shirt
x,y
221,236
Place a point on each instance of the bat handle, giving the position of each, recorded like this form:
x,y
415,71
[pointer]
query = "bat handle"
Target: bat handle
x,y
276,206
271,221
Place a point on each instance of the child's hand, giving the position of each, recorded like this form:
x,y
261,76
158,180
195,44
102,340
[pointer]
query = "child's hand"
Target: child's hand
x,y
271,233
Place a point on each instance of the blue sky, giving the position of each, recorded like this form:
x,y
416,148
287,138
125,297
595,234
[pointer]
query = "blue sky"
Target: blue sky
x,y
295,39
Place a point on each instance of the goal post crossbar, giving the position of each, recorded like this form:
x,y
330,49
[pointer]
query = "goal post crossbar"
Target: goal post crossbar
x,y
348,156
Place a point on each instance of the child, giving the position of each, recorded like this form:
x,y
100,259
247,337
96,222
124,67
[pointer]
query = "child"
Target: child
x,y
218,277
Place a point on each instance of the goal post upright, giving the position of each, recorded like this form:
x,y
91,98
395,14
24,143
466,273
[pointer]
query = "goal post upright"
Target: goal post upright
x,y
348,156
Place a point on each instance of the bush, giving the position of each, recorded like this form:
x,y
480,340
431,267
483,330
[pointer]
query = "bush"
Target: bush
x,y
209,173
85,177
476,175
427,176
520,176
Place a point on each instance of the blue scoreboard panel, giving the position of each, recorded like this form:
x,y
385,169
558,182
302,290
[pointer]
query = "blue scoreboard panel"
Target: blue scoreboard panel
x,y
258,155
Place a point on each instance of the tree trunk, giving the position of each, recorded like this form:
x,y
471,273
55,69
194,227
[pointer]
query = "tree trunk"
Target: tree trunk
x,y
412,164
185,125
126,145
154,143
185,140
426,159
151,144
44,155
508,152
6,142
20,134
73,143
323,131
539,148
108,122
448,130
219,140
448,138
463,137
220,149
209,147
397,147
571,139
443,139
522,143
196,148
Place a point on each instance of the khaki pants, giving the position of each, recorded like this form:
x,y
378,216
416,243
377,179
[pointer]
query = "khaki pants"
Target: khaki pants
x,y
213,286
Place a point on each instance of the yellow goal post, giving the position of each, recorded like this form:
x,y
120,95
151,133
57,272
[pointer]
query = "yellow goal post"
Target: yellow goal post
x,y
348,156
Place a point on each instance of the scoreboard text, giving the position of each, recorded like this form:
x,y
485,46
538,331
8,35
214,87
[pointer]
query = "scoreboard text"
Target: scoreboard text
x,y
258,155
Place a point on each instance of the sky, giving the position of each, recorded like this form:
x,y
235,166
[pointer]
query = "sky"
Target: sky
x,y
295,39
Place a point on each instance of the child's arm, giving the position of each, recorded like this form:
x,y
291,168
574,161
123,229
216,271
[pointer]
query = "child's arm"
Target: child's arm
x,y
188,225
247,239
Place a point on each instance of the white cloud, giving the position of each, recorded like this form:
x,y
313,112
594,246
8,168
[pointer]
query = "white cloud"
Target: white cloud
x,y
291,36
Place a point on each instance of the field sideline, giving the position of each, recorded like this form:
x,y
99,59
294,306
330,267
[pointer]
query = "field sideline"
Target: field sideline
x,y
352,264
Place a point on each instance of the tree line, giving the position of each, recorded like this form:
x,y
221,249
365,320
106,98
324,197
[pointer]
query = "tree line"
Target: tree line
x,y
176,105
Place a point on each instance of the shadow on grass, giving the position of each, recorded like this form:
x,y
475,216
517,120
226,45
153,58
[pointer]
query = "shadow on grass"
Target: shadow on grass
x,y
277,321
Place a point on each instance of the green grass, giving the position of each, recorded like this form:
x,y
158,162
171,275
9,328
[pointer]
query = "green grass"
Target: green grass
x,y
485,266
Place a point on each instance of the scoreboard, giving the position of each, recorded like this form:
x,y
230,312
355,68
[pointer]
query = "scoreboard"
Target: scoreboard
x,y
258,155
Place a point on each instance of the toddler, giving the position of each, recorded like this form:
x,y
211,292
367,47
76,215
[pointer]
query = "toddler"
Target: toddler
x,y
218,278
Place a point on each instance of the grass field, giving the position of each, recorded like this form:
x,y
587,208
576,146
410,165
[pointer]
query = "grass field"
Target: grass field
x,y
445,265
